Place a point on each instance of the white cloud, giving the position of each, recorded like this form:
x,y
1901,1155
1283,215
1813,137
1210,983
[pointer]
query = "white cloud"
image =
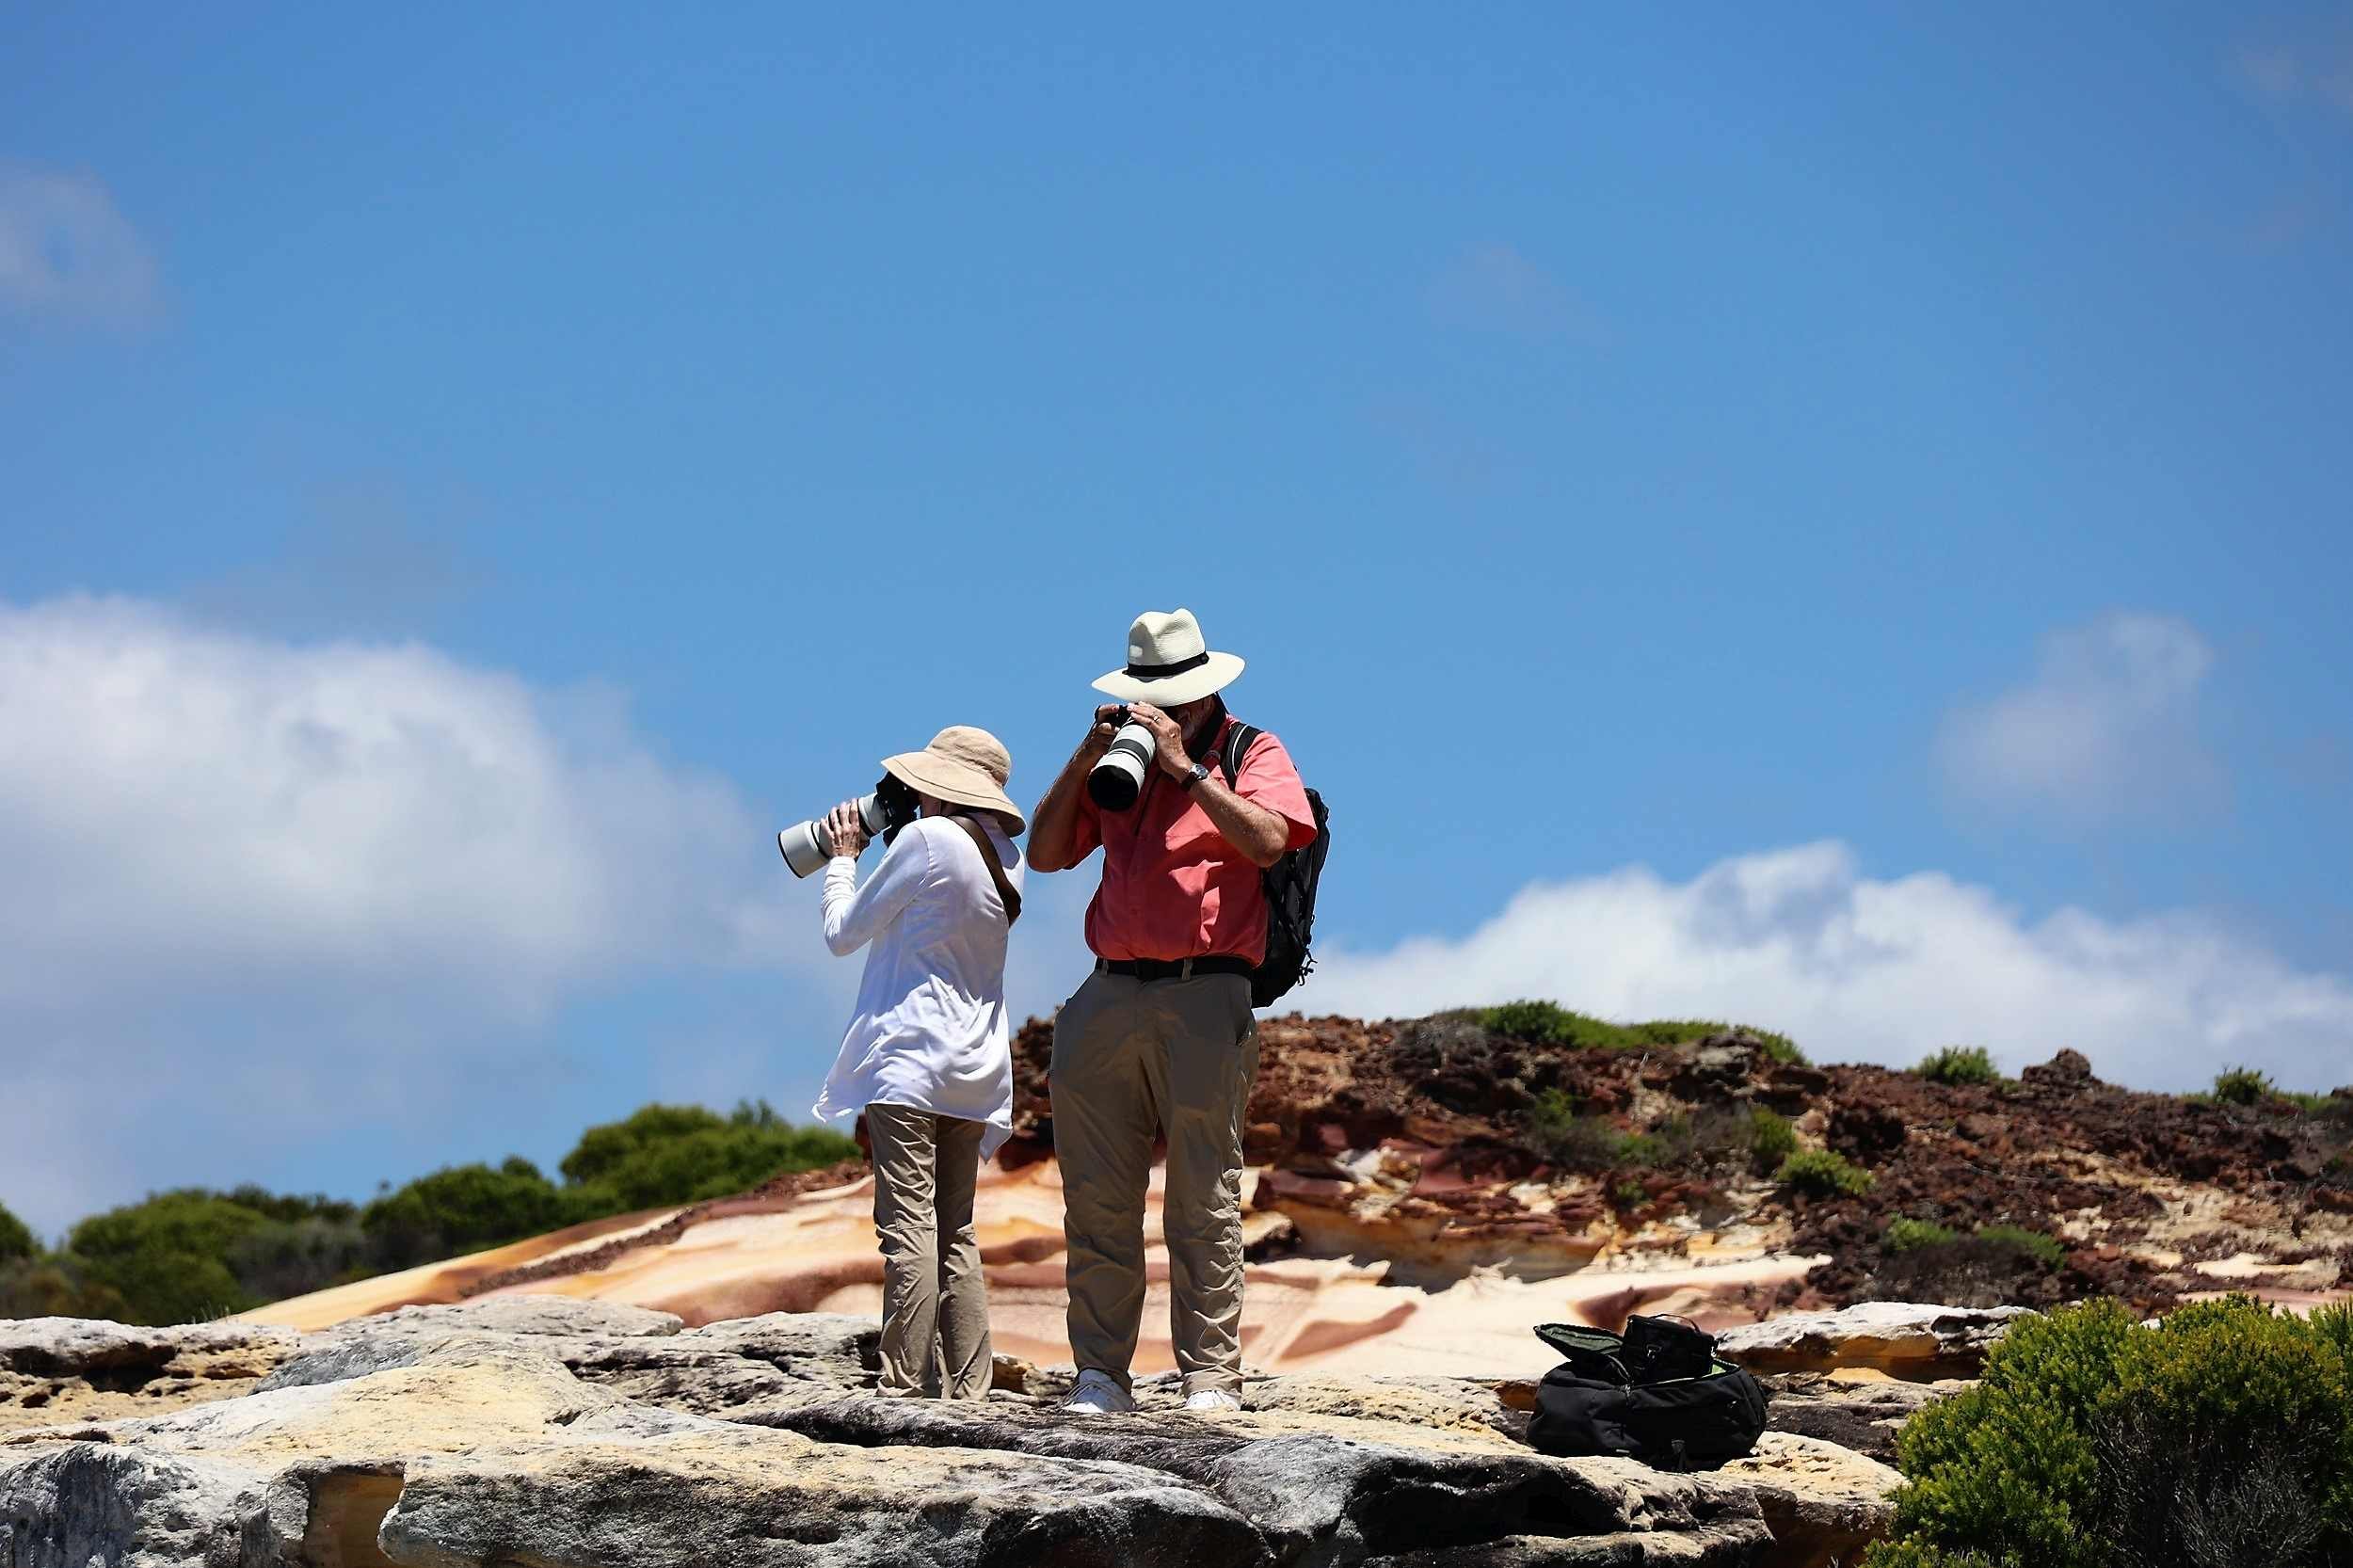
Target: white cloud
x,y
2108,727
1867,970
260,885
67,251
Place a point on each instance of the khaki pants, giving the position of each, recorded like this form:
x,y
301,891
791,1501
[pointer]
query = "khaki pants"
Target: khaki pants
x,y
1133,1058
934,1296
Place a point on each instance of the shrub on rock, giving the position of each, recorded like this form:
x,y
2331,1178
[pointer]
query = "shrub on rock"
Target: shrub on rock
x,y
1771,1139
2242,1086
2224,1435
1822,1174
1960,1064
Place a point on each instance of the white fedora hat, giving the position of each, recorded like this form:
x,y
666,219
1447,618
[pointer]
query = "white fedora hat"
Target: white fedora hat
x,y
1169,662
963,766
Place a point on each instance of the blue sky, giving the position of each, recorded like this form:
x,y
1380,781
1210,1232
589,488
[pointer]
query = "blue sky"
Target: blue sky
x,y
1860,496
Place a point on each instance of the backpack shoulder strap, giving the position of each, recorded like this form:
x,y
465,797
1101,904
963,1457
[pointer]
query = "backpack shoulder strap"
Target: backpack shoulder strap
x,y
1011,898
1240,737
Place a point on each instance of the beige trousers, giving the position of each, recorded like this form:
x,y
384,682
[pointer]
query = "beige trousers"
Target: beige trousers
x,y
933,1297
1133,1058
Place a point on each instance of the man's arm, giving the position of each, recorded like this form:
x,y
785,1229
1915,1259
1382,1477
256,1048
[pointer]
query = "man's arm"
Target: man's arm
x,y
1260,835
1053,825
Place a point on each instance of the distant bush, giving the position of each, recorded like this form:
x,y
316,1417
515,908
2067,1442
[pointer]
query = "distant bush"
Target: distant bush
x,y
1822,1174
2046,1250
1574,1142
16,1238
193,1254
685,1154
1545,1023
1960,1064
2242,1086
2222,1436
1771,1139
1904,1235
55,1285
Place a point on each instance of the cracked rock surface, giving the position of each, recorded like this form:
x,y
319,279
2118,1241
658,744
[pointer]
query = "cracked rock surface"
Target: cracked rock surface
x,y
543,1431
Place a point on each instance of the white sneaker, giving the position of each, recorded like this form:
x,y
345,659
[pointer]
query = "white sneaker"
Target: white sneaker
x,y
1212,1400
1096,1394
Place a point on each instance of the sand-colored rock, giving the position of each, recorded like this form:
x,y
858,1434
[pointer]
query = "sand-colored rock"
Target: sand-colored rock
x,y
489,1434
1823,1503
1918,1342
815,1252
80,1370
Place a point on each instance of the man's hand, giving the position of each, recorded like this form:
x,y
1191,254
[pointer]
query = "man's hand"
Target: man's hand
x,y
844,832
1167,736
1098,740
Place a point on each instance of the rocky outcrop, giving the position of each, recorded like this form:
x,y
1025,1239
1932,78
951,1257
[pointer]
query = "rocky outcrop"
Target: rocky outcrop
x,y
548,1432
1904,1339
1416,1199
70,1369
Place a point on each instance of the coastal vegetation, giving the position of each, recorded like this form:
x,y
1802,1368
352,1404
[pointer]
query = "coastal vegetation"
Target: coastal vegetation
x,y
193,1254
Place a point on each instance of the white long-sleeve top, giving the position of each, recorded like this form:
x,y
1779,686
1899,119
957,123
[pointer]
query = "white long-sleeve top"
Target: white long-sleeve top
x,y
930,1029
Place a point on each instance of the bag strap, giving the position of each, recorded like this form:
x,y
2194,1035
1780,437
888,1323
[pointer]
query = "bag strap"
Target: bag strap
x,y
1240,737
996,872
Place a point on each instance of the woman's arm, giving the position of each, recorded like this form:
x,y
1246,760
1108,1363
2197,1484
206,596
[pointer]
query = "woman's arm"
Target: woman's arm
x,y
855,915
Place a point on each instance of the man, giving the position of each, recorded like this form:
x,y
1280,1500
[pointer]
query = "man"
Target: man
x,y
1159,1039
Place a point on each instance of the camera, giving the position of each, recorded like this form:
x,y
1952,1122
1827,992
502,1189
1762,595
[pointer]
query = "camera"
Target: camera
x,y
889,808
1117,777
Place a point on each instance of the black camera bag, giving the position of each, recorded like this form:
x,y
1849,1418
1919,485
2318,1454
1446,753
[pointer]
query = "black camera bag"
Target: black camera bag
x,y
1593,1404
1290,884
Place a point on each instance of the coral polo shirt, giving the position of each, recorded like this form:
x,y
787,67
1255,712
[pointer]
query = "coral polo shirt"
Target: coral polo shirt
x,y
1172,888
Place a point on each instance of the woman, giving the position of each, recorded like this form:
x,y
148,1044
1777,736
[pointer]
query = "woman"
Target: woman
x,y
927,1056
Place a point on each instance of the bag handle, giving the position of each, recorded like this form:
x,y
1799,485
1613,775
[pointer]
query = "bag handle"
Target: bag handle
x,y
996,872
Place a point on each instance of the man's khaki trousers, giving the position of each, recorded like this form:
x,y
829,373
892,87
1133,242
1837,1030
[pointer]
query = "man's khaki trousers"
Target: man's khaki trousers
x,y
933,1292
1133,1058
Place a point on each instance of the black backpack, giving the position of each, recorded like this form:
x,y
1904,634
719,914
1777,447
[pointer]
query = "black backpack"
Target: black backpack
x,y
1291,888
1606,1397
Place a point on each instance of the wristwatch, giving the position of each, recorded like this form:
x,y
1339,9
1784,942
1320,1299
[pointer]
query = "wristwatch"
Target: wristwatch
x,y
1197,776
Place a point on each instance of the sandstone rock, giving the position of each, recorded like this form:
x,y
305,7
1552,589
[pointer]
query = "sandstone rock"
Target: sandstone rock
x,y
1922,1343
435,1441
74,1369
527,1314
1822,1503
1863,1414
88,1347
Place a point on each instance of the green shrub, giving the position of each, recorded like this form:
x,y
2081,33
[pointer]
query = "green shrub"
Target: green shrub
x,y
58,1284
1771,1139
1628,1194
1960,1064
2242,1086
460,1209
16,1238
1904,1235
2225,1435
1546,1023
1822,1174
1586,1143
2046,1250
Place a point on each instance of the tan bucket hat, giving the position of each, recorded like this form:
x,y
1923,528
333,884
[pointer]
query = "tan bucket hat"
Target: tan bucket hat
x,y
963,766
1169,662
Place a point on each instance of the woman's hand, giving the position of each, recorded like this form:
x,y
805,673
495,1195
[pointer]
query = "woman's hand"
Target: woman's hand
x,y
844,832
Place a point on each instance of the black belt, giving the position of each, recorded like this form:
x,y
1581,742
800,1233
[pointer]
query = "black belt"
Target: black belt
x,y
1182,968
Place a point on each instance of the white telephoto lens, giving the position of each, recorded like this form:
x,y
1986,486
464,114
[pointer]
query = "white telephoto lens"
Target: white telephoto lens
x,y
804,844
1117,779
